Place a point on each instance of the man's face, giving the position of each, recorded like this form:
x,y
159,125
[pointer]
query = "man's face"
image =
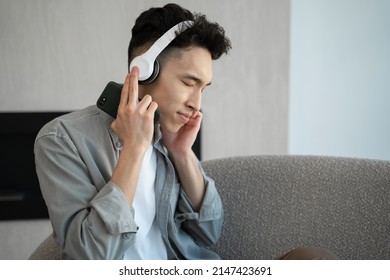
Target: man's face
x,y
178,89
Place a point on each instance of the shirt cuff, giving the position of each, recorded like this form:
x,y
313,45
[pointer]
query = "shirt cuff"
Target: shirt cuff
x,y
211,208
112,207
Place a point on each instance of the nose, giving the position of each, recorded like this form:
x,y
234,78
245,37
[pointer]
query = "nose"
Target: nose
x,y
195,101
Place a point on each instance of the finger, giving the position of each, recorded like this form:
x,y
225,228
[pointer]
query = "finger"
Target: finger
x,y
197,114
196,119
144,103
152,111
133,86
152,107
124,94
147,104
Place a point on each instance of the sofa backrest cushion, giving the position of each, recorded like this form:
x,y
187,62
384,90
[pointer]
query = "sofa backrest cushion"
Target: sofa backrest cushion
x,y
276,203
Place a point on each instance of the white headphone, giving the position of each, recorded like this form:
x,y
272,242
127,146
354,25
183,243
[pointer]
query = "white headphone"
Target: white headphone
x,y
147,63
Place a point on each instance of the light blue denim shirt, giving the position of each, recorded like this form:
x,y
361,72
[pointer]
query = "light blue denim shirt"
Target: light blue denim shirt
x,y
75,156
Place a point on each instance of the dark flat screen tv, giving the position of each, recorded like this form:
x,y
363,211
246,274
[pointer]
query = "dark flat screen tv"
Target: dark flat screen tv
x,y
20,195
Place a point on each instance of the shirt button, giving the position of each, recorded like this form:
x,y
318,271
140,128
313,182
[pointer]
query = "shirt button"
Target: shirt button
x,y
126,235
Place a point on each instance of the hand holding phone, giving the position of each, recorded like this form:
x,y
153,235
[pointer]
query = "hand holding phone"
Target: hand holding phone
x,y
110,98
133,117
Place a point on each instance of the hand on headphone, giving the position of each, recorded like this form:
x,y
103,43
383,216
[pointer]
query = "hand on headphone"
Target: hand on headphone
x,y
134,124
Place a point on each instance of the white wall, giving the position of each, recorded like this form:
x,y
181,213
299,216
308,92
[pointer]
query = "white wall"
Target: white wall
x,y
339,78
59,55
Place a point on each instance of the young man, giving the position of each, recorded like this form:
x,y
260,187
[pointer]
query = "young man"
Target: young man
x,y
130,188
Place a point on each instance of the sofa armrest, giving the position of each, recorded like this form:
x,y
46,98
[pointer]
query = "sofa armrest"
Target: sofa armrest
x,y
47,250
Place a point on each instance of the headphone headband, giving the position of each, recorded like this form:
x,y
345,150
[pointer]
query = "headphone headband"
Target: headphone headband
x,y
165,39
146,62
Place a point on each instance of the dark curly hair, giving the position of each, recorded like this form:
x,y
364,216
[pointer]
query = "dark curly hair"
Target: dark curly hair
x,y
153,23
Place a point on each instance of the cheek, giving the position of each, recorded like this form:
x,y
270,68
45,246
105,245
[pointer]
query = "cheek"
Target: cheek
x,y
169,99
170,96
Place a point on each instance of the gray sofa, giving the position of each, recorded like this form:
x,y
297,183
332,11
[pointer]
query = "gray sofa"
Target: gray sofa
x,y
276,203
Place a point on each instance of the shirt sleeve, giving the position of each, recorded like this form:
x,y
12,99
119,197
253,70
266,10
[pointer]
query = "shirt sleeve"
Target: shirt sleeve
x,y
88,223
205,225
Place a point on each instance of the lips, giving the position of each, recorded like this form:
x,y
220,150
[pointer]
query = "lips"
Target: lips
x,y
184,117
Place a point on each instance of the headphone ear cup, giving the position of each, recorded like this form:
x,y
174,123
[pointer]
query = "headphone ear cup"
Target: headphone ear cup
x,y
156,71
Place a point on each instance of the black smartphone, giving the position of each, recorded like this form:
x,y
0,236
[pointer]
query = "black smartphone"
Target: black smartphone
x,y
110,98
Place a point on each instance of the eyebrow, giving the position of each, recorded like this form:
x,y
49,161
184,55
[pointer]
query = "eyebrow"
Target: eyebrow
x,y
195,79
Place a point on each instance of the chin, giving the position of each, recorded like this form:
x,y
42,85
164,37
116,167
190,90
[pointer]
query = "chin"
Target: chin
x,y
171,128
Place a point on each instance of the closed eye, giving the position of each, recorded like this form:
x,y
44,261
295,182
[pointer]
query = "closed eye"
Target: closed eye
x,y
192,81
188,84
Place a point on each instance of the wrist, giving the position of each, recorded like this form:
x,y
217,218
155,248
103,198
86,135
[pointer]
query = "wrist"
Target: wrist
x,y
134,153
181,156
